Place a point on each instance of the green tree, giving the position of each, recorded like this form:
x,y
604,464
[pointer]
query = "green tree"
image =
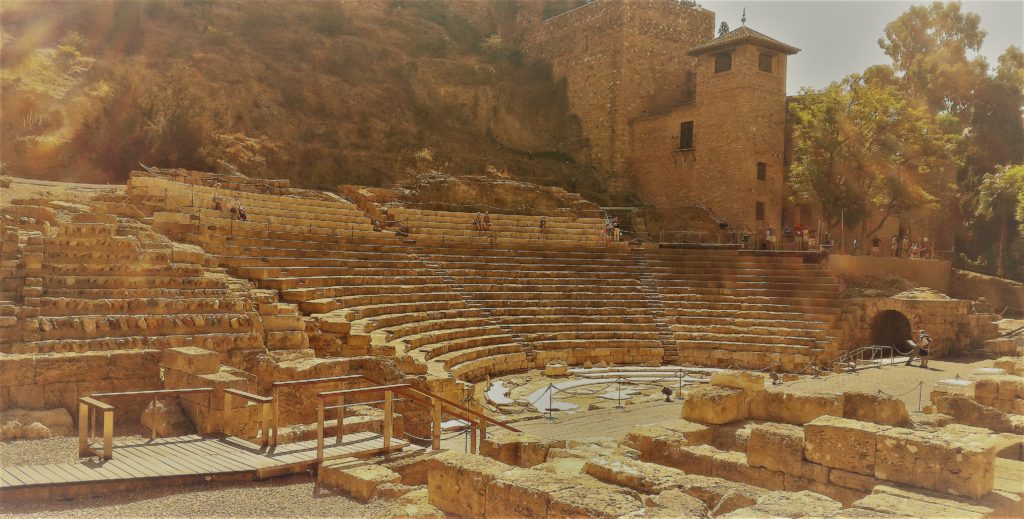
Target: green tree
x,y
1001,202
858,144
929,46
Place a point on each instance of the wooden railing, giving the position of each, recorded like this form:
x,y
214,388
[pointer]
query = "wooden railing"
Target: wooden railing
x,y
90,406
276,395
265,403
387,430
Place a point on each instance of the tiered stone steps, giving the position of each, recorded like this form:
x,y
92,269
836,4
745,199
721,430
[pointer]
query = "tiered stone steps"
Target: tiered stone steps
x,y
748,311
434,227
104,291
543,295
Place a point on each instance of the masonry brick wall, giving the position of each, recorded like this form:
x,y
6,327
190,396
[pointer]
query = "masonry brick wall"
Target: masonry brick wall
x,y
621,61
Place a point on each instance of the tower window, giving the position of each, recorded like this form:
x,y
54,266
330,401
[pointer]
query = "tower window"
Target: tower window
x,y
723,62
759,211
686,135
764,62
762,171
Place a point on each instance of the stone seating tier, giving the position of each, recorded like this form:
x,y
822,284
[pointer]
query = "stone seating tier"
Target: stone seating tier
x,y
433,226
221,342
441,348
59,306
254,229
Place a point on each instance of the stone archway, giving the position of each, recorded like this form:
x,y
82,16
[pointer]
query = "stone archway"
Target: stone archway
x,y
891,328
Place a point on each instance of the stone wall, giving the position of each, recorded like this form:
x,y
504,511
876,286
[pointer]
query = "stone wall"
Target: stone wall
x,y
621,60
934,274
998,292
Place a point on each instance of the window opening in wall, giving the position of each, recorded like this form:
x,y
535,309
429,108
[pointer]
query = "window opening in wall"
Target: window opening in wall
x,y
690,87
764,62
762,171
686,135
723,62
759,211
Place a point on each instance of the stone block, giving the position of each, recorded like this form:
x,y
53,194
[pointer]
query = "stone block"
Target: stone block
x,y
848,479
524,492
592,498
842,443
674,503
794,504
733,466
191,359
875,408
750,381
794,407
167,418
652,439
359,480
946,460
517,448
458,482
845,496
648,478
719,494
696,459
886,500
715,405
776,446
58,421
968,411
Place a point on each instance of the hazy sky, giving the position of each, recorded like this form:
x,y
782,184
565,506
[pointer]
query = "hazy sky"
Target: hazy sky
x,y
840,37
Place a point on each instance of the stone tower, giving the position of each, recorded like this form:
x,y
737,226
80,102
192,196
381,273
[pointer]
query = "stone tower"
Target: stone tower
x,y
724,151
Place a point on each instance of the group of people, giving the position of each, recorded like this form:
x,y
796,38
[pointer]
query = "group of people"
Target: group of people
x,y
611,230
233,207
904,247
482,221
800,237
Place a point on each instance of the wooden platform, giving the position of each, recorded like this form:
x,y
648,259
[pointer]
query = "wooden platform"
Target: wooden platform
x,y
142,462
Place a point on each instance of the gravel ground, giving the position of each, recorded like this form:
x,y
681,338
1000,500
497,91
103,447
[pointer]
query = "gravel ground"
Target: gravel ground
x,y
295,496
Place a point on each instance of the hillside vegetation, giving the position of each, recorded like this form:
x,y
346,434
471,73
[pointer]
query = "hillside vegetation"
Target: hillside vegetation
x,y
323,93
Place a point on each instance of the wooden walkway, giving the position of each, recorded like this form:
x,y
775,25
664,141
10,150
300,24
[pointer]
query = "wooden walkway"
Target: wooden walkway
x,y
180,459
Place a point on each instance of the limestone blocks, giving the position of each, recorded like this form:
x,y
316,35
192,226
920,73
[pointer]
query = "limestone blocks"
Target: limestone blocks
x,y
190,359
517,448
359,480
458,482
1003,392
716,405
954,460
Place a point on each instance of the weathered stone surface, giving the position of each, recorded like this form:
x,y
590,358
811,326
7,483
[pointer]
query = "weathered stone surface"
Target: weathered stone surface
x,y
674,503
776,446
167,418
57,421
842,443
848,479
720,495
875,408
789,504
733,466
412,505
458,482
594,499
748,380
191,360
516,448
648,478
652,441
794,407
968,411
715,405
885,499
945,460
359,480
35,431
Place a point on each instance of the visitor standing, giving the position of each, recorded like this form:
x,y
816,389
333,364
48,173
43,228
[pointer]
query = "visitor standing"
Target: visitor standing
x,y
876,246
922,347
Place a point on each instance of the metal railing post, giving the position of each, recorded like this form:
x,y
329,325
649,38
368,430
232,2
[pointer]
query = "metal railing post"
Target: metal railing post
x,y
108,434
84,412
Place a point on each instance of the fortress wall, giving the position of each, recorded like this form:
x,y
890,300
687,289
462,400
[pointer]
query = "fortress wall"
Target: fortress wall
x,y
621,60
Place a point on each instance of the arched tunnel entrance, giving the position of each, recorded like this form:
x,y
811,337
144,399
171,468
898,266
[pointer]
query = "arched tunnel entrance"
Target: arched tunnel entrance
x,y
891,328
